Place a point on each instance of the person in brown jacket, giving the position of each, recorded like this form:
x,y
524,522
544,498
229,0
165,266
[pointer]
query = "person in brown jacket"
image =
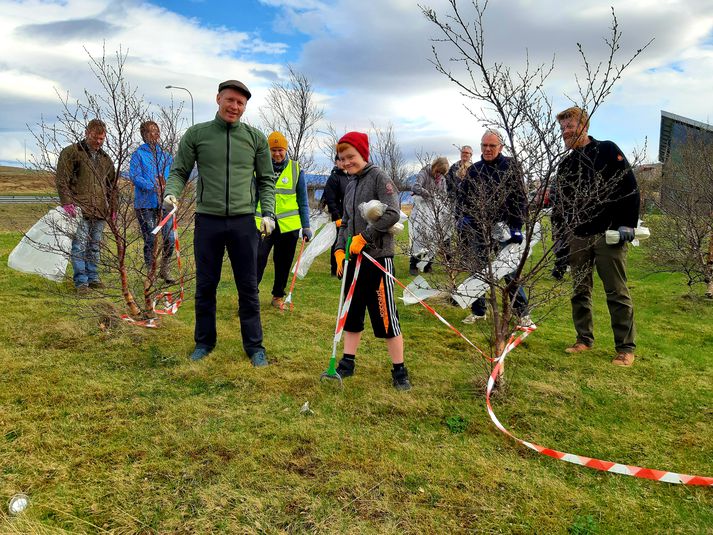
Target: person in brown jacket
x,y
85,179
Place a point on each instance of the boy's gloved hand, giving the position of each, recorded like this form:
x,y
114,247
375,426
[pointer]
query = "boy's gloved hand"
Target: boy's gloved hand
x,y
358,243
307,234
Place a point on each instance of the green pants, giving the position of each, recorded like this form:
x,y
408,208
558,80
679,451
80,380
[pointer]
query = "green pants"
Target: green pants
x,y
610,261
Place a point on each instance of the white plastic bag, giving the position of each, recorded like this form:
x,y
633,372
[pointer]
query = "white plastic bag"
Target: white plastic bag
x,y
419,289
321,242
45,249
506,262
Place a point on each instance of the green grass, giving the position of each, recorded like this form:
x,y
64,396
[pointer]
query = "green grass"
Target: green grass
x,y
121,433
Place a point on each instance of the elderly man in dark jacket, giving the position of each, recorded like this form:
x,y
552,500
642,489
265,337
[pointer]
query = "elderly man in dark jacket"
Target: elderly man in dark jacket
x,y
493,192
85,183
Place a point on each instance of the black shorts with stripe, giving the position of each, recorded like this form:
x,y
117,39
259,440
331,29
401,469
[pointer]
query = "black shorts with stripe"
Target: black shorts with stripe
x,y
374,291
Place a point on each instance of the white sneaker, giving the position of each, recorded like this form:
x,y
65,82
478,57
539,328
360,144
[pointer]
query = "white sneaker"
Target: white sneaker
x,y
525,321
472,318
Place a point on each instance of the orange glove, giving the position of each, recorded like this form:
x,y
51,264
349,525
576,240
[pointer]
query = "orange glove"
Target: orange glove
x,y
358,243
338,222
339,257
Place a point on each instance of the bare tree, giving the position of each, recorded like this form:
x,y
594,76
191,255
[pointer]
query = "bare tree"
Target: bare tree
x,y
120,106
682,238
385,152
516,103
291,109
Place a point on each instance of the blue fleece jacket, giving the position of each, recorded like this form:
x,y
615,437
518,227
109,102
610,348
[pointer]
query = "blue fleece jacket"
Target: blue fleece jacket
x,y
148,171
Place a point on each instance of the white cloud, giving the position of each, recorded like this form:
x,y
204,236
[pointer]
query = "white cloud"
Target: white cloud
x,y
368,60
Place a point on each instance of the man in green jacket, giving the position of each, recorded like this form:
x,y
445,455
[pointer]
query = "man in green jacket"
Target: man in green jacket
x,y
234,166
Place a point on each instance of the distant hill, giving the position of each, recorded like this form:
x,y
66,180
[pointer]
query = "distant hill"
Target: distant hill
x,y
20,181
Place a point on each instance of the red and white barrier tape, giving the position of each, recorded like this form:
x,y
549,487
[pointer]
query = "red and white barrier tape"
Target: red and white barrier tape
x,y
347,301
169,304
605,466
429,308
596,464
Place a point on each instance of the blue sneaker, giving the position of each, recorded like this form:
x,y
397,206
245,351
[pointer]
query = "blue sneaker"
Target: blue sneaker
x,y
259,359
199,353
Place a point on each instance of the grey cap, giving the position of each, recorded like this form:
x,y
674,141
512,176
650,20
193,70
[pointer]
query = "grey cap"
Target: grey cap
x,y
237,85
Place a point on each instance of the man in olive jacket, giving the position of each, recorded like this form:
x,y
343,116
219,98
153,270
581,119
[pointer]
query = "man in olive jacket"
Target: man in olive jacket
x,y
85,182
234,166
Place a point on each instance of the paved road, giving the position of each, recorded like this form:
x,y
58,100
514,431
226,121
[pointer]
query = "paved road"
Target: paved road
x,y
25,199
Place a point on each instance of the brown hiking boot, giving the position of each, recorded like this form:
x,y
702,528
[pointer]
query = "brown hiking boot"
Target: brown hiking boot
x,y
578,347
623,359
278,302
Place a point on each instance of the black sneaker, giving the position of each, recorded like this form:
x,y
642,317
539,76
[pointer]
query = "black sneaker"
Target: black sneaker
x,y
400,379
345,368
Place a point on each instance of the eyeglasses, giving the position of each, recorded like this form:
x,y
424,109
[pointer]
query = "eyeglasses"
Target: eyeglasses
x,y
488,146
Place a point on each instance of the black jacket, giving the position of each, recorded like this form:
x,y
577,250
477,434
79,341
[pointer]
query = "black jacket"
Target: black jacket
x,y
493,191
597,190
334,191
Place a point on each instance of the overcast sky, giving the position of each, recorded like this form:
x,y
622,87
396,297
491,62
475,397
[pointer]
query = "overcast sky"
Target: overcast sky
x,y
368,60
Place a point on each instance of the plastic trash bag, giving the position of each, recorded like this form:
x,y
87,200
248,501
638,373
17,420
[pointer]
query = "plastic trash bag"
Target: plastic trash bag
x,y
374,209
317,245
45,249
506,262
422,290
430,221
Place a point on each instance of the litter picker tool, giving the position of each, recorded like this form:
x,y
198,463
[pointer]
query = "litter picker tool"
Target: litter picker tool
x,y
343,309
288,299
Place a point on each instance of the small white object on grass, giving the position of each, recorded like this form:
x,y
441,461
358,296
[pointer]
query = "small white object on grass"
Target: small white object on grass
x,y
305,409
18,503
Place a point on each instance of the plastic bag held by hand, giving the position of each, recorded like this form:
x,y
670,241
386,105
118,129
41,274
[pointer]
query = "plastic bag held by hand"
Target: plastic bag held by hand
x,y
613,237
372,210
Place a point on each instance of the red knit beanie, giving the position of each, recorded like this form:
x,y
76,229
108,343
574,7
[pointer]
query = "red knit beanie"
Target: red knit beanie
x,y
359,141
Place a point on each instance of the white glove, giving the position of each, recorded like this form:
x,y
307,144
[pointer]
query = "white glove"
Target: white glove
x,y
267,225
169,201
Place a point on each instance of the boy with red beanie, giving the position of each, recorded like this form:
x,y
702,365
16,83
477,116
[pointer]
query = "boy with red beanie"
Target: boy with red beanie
x,y
374,291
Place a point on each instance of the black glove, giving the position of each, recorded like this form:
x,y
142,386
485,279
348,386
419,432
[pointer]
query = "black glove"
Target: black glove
x,y
626,234
515,235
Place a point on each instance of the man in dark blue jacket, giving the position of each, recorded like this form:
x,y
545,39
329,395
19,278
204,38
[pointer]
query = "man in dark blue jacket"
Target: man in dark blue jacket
x,y
148,171
492,193
597,192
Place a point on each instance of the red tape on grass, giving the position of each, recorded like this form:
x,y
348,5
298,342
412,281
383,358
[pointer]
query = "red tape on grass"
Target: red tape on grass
x,y
596,464
168,301
429,308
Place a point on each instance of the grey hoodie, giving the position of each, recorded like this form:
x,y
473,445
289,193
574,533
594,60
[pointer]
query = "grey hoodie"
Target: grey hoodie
x,y
371,183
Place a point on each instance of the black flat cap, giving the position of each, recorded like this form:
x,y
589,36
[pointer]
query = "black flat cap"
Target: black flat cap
x,y
237,85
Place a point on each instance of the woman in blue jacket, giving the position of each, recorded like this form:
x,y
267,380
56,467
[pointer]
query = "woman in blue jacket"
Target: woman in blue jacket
x,y
148,170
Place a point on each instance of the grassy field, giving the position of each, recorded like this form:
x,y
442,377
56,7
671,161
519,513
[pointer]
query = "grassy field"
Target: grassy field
x,y
120,433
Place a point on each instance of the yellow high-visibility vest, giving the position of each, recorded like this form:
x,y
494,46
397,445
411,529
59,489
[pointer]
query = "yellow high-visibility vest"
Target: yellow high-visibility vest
x,y
287,211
